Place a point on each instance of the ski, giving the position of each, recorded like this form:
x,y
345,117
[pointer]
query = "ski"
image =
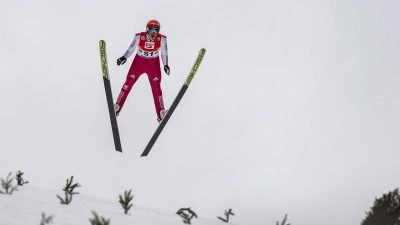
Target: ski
x,y
107,87
175,102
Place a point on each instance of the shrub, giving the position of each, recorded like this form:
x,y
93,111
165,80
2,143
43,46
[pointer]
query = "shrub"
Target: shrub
x,y
69,191
283,221
227,214
97,220
7,185
46,219
125,201
20,180
187,214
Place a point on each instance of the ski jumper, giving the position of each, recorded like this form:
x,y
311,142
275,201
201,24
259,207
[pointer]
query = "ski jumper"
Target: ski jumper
x,y
146,61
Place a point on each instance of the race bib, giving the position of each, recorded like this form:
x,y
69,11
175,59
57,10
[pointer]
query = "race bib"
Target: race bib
x,y
147,54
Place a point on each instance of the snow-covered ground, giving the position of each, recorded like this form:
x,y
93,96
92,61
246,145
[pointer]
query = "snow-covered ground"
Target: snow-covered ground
x,y
27,205
294,110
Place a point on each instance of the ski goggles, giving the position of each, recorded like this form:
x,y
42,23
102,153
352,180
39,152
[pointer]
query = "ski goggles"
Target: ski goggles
x,y
153,30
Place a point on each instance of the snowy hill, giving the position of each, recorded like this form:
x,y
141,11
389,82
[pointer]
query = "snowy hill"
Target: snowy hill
x,y
26,206
294,110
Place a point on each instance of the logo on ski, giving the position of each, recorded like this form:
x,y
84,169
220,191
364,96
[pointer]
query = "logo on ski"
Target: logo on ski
x,y
107,88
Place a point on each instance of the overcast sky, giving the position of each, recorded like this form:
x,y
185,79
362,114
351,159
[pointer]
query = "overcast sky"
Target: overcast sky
x,y
294,110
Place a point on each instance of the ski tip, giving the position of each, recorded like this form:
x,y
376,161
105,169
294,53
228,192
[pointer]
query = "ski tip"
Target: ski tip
x,y
203,50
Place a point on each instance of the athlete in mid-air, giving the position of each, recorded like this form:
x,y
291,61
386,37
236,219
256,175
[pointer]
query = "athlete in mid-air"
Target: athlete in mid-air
x,y
149,44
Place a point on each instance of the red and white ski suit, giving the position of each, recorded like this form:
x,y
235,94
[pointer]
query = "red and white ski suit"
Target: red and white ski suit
x,y
146,61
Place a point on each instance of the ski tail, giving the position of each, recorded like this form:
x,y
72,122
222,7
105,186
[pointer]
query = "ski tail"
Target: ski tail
x,y
175,102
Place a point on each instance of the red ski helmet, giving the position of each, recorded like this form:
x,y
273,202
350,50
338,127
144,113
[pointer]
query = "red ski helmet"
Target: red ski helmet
x,y
153,24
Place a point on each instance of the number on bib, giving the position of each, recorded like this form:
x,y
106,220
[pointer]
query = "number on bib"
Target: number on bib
x,y
148,54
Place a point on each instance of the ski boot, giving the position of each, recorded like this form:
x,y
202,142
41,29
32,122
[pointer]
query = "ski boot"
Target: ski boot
x,y
163,113
116,109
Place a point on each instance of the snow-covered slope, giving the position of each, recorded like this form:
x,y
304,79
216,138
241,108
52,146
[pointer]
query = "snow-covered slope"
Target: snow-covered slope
x,y
294,109
26,206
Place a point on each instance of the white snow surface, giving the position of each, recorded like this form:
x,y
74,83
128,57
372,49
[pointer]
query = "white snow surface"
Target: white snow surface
x,y
294,110
27,205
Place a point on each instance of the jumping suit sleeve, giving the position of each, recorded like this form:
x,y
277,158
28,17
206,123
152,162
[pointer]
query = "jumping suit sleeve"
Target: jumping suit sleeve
x,y
133,46
164,50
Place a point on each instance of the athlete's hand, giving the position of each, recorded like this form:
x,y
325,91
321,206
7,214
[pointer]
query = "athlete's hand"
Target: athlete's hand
x,y
166,69
121,60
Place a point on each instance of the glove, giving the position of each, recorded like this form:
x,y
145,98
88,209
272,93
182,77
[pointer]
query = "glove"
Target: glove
x,y
121,60
166,69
